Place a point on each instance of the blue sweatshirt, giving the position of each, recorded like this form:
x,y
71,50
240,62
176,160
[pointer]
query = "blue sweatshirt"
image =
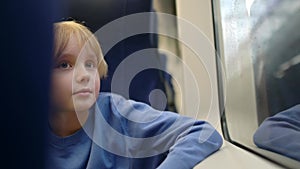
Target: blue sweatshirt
x,y
123,134
281,133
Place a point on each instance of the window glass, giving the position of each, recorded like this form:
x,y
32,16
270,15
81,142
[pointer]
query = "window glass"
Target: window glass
x,y
258,43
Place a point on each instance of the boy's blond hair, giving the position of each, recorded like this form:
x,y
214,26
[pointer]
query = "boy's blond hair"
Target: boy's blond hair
x,y
63,31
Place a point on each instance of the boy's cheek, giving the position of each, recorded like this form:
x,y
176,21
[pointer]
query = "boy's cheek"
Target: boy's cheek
x,y
62,89
61,86
97,87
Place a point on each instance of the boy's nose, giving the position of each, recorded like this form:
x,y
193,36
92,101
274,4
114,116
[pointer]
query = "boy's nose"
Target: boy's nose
x,y
81,74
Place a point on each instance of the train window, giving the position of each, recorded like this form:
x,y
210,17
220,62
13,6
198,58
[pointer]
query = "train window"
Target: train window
x,y
259,56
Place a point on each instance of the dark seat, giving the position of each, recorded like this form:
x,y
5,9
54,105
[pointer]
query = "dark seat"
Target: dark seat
x,y
97,14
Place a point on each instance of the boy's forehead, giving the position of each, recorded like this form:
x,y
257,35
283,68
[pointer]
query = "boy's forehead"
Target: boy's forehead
x,y
77,48
73,43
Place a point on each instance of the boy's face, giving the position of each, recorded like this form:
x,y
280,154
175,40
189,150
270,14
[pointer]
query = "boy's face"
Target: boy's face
x,y
75,79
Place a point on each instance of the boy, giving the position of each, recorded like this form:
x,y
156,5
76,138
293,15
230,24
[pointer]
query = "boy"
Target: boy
x,y
92,130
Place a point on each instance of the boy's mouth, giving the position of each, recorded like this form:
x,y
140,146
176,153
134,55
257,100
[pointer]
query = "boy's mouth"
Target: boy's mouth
x,y
84,91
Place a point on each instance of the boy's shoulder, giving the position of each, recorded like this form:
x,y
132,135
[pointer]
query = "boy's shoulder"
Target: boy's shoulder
x,y
108,94
130,109
108,97
119,100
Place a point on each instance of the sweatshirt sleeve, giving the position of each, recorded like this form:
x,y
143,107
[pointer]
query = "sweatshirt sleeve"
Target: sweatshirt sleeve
x,y
281,133
148,132
192,146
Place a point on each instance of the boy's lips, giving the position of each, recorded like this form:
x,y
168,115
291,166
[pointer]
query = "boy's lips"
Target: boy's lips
x,y
83,91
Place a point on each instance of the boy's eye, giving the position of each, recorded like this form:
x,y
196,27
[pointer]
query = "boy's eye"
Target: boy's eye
x,y
90,64
64,65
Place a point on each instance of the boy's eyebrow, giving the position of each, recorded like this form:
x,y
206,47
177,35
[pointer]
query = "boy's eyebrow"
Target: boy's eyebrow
x,y
71,56
65,56
92,56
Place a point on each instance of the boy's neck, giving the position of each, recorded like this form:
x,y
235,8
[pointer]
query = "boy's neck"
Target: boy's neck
x,y
66,123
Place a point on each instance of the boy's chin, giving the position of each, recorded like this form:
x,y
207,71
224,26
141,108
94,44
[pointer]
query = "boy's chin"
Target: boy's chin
x,y
83,107
82,112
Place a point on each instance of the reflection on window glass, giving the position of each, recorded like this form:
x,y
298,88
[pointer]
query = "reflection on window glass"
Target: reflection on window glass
x,y
276,47
261,58
280,133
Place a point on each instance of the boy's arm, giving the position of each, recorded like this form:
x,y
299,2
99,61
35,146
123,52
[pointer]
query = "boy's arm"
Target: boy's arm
x,y
192,146
151,132
281,133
